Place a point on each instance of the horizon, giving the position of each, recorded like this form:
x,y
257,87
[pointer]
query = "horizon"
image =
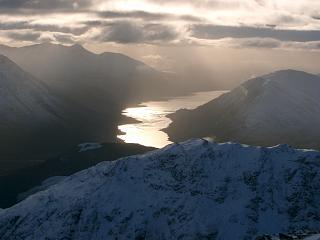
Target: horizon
x,y
101,53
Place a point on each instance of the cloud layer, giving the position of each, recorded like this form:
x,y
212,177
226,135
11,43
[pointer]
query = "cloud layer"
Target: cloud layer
x,y
229,23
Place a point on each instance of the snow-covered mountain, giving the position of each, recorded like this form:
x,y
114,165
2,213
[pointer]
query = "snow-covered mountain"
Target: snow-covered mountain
x,y
193,190
281,107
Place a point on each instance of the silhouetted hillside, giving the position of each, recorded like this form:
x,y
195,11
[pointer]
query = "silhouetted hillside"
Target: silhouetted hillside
x,y
64,164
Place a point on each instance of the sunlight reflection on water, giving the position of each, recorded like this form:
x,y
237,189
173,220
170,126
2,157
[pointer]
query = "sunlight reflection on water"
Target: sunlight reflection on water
x,y
152,117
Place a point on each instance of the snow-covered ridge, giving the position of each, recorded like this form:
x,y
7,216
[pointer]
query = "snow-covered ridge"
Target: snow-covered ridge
x,y
281,107
193,190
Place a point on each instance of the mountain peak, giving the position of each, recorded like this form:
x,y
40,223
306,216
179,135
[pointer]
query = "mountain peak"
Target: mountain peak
x,y
45,44
289,74
186,190
289,71
77,46
279,107
50,45
288,78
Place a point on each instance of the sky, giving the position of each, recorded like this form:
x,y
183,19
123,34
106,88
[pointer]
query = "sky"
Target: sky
x,y
198,38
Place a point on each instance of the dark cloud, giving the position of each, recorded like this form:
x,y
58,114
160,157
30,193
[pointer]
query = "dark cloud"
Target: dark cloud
x,y
14,25
147,16
206,31
260,43
305,45
212,4
260,2
44,4
26,25
316,17
128,32
287,19
96,23
24,36
141,26
64,38
123,32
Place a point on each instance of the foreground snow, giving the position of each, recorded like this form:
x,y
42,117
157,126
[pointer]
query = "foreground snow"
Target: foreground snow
x,y
192,190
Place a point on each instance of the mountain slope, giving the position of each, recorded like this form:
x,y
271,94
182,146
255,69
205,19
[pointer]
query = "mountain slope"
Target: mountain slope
x,y
35,121
26,105
23,99
192,190
282,107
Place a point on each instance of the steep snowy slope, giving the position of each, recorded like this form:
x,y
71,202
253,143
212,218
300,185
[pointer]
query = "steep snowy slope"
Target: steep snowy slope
x,y
192,190
282,107
24,100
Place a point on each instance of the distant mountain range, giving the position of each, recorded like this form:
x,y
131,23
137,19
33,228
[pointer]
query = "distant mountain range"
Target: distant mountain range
x,y
193,190
281,107
95,79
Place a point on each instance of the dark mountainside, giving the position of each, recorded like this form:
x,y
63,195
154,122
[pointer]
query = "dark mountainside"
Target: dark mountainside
x,y
36,122
282,107
65,164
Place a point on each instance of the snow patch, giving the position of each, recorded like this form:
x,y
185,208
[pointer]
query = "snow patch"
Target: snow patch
x,y
89,146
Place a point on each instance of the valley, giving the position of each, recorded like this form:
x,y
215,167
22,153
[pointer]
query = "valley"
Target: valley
x,y
152,118
55,96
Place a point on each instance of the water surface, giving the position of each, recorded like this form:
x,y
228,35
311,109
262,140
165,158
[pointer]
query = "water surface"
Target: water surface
x,y
152,117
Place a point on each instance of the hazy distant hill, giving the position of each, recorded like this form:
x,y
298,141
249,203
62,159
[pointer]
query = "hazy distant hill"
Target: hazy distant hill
x,y
99,81
281,107
192,190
